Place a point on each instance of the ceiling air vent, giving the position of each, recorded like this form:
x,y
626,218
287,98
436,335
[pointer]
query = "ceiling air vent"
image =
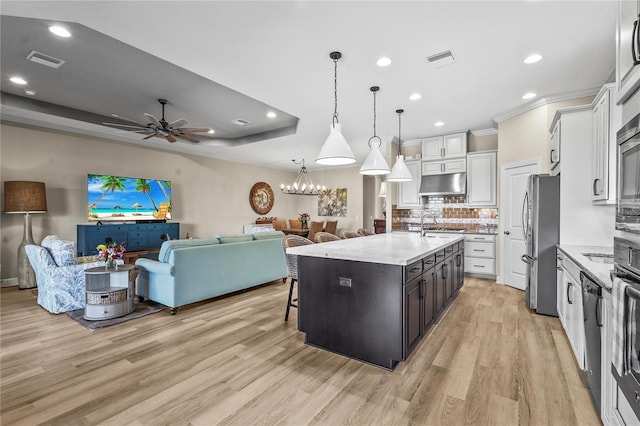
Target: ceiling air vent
x,y
240,122
441,59
42,59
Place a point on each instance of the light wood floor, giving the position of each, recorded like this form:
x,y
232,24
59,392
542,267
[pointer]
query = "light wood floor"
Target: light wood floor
x,y
490,361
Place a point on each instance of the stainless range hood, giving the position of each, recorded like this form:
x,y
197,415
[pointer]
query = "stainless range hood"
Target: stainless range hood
x,y
449,184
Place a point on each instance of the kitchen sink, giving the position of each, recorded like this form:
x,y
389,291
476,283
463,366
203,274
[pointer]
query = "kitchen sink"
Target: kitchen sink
x,y
599,257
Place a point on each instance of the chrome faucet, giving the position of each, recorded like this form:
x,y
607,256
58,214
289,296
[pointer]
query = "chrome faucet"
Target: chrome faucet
x,y
423,230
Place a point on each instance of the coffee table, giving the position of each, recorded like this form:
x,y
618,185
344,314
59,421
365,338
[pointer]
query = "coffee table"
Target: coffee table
x,y
109,292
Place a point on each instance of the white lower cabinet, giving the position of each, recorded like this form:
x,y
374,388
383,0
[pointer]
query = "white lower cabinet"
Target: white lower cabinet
x,y
480,255
570,306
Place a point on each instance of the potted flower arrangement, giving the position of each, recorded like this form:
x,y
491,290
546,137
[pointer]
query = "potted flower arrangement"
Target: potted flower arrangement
x,y
304,218
110,253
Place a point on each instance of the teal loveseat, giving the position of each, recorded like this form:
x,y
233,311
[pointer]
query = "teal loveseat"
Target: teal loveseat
x,y
189,271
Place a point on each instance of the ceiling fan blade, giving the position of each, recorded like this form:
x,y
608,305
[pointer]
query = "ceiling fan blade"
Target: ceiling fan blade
x,y
170,138
149,137
153,120
127,119
140,127
178,123
187,138
195,129
193,135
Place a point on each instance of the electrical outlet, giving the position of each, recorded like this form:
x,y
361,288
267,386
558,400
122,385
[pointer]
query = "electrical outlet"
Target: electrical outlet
x,y
345,282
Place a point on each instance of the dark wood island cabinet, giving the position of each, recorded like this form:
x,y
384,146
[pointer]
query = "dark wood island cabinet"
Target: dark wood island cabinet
x,y
376,310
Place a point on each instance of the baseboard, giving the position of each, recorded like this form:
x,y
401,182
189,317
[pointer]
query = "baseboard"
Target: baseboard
x,y
9,282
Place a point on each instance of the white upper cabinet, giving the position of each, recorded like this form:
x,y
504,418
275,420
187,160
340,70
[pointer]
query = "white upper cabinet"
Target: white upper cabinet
x,y
444,154
455,145
628,44
481,179
408,191
554,152
432,148
606,119
444,147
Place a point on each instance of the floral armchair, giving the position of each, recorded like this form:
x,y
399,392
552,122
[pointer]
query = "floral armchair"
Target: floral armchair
x,y
59,275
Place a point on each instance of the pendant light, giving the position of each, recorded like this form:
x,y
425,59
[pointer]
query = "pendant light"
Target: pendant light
x,y
400,172
302,184
374,164
335,151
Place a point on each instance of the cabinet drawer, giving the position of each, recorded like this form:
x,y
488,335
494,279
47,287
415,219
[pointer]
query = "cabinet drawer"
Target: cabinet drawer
x,y
412,271
474,249
479,266
439,256
448,251
478,237
428,262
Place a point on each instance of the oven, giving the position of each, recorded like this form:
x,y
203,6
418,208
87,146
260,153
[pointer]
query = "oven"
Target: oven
x,y
628,207
626,319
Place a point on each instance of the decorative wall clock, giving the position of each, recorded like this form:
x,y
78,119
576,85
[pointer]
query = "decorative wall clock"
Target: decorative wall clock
x,y
261,198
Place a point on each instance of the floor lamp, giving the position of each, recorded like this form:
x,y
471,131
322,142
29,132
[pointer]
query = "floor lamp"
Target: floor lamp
x,y
27,198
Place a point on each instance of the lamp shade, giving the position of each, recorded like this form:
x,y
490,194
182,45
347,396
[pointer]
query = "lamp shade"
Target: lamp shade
x,y
374,164
24,197
336,151
400,172
383,190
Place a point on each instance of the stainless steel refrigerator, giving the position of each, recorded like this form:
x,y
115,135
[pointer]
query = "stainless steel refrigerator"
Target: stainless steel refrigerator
x,y
541,233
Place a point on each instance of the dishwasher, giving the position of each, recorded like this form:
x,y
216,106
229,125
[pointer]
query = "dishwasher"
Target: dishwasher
x,y
592,311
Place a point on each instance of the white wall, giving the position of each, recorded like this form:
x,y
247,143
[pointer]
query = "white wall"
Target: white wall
x,y
209,196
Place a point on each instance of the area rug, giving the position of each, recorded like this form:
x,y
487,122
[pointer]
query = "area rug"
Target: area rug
x,y
141,309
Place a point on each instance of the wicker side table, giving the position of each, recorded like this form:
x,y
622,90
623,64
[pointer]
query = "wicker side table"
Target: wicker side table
x,y
109,292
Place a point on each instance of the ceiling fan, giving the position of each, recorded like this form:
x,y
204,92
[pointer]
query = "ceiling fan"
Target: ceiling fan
x,y
163,129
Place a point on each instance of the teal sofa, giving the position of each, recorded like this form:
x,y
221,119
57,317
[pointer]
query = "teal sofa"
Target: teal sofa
x,y
189,271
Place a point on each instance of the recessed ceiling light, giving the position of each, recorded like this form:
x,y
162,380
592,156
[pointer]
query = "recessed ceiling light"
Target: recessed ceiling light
x,y
532,59
383,62
529,95
438,124
29,92
272,114
211,131
59,31
415,96
18,80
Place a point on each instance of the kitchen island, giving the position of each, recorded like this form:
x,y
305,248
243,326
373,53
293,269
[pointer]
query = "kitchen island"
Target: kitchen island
x,y
373,298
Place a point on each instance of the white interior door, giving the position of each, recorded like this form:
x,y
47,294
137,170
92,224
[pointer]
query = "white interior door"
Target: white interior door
x,y
512,243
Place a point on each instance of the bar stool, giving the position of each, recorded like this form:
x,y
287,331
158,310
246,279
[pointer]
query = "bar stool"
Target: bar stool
x,y
292,265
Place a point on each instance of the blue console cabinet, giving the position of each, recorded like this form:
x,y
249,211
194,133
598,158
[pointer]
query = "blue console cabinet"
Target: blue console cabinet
x,y
136,236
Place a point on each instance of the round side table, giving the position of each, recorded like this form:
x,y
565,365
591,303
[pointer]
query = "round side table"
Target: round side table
x,y
109,292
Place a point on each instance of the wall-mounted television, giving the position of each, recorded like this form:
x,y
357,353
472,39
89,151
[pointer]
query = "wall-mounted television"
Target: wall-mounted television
x,y
126,199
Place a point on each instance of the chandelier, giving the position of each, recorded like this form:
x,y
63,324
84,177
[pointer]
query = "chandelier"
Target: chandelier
x,y
302,184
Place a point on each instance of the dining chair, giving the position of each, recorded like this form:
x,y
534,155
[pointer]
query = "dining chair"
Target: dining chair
x,y
295,224
331,226
325,237
364,232
292,265
314,228
345,233
279,224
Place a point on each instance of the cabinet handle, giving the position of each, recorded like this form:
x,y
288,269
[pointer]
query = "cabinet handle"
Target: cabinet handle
x,y
551,155
598,312
442,149
595,190
445,271
458,260
442,167
635,40
421,292
479,250
569,285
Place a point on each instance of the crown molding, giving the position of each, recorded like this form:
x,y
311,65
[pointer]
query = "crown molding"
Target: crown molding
x,y
545,100
485,132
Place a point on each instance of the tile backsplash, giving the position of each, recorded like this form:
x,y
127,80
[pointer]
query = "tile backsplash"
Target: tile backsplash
x,y
447,210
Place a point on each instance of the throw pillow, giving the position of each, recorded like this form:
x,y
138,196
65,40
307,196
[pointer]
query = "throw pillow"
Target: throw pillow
x,y
225,239
63,252
268,235
169,246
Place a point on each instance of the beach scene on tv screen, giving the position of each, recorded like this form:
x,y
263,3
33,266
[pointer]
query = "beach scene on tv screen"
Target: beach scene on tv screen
x,y
117,198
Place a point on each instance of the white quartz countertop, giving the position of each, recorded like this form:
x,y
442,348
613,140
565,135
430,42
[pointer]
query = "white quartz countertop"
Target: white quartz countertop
x,y
395,248
595,270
